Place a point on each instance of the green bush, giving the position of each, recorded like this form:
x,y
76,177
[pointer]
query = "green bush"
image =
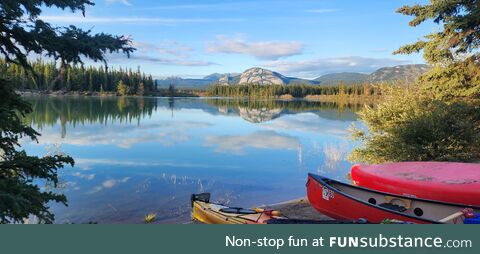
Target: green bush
x,y
411,126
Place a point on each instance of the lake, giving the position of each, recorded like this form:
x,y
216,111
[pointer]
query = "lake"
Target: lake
x,y
136,156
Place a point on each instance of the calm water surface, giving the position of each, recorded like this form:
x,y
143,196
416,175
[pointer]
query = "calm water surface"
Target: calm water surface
x,y
136,156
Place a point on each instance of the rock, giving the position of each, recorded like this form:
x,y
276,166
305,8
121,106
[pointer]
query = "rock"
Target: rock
x,y
262,77
259,115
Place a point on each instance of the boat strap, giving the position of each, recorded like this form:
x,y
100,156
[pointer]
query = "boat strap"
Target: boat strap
x,y
238,210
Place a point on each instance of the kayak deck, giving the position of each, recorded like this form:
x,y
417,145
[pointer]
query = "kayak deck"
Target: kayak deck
x,y
210,213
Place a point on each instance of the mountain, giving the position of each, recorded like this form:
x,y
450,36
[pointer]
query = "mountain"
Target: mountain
x,y
267,77
229,78
192,83
218,76
398,73
262,77
184,83
345,77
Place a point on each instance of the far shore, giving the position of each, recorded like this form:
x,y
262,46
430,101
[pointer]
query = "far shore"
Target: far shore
x,y
159,93
202,94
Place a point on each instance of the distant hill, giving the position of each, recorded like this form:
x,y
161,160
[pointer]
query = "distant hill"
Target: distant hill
x,y
184,83
398,73
267,77
346,77
190,82
214,76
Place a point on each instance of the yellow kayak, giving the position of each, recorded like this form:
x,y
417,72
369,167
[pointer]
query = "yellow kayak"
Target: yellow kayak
x,y
210,213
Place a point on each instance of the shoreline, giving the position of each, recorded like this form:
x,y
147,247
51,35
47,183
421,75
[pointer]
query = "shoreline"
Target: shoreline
x,y
297,209
104,94
189,94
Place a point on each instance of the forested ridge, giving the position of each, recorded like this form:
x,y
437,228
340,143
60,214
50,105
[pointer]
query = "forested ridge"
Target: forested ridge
x,y
297,91
78,78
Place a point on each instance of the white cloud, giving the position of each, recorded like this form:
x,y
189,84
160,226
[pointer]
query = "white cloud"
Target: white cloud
x,y
131,20
108,184
237,144
264,50
112,182
125,2
133,163
82,176
168,61
124,136
163,53
310,122
317,67
166,47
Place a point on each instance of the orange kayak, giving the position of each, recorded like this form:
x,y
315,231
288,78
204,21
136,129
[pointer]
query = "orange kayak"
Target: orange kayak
x,y
457,183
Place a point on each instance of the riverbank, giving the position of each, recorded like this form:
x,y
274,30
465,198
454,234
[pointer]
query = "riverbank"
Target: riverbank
x,y
199,93
357,99
299,209
159,93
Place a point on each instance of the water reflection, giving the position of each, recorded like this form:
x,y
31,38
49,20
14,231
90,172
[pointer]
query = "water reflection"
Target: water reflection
x,y
135,156
259,139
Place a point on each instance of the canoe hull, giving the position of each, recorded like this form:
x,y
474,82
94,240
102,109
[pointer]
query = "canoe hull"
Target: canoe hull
x,y
347,202
336,206
457,183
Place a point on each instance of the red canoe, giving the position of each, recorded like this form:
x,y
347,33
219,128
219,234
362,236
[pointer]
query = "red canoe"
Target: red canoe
x,y
448,182
348,202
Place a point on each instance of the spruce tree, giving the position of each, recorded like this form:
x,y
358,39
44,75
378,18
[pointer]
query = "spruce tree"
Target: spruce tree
x,y
437,119
22,31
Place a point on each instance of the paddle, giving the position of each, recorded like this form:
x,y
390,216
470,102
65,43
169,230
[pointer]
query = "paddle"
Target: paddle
x,y
467,212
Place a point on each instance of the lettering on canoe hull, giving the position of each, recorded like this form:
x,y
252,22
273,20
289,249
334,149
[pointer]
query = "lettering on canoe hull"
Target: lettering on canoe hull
x,y
327,194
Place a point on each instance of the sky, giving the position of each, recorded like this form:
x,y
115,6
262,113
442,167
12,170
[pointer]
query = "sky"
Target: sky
x,y
300,38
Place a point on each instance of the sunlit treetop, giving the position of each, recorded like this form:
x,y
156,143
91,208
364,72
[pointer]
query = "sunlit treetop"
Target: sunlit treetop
x,y
460,36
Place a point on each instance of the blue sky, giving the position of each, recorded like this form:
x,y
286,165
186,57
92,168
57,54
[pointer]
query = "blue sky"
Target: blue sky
x,y
303,38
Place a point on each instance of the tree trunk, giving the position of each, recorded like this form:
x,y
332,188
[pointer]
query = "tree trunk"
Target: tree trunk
x,y
60,78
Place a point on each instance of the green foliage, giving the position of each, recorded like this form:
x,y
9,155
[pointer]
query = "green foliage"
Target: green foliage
x,y
50,111
408,126
141,89
439,119
298,91
78,78
456,82
23,32
122,89
460,34
19,196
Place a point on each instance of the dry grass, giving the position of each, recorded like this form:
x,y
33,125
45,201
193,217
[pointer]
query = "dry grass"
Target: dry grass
x,y
150,218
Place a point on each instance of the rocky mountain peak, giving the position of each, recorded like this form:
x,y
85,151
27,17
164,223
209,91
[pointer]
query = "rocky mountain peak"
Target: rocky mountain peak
x,y
261,76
